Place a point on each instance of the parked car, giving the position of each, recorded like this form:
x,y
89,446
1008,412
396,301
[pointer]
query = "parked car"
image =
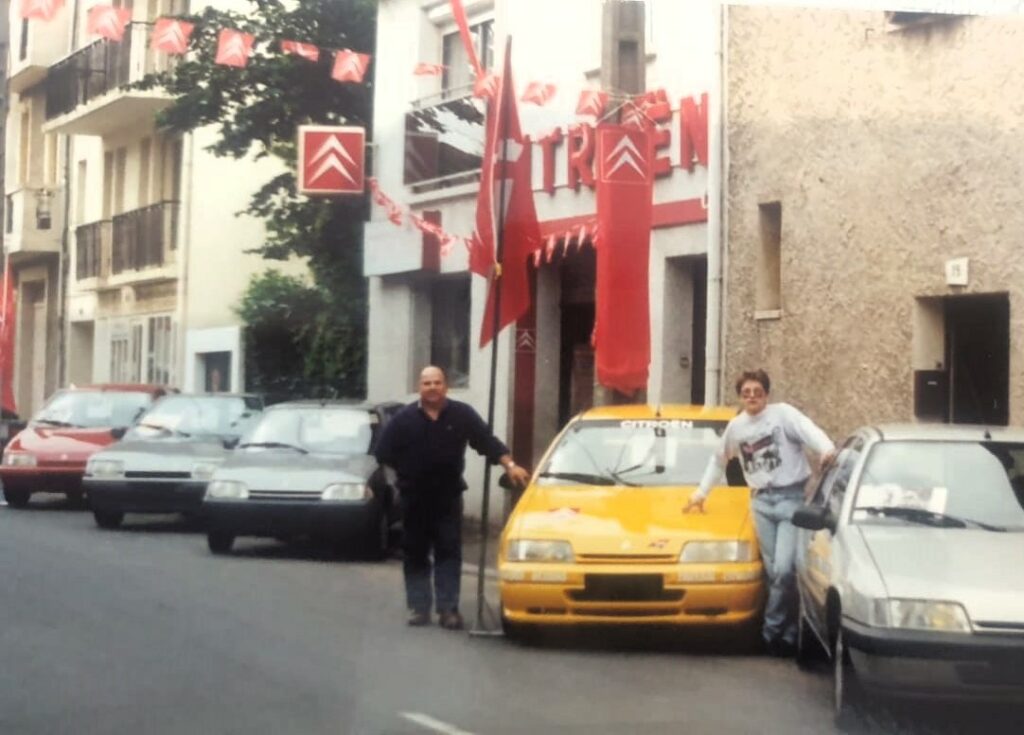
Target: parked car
x,y
909,574
600,535
306,469
165,460
49,455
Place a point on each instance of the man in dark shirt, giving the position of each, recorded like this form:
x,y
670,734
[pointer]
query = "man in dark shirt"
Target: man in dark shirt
x,y
425,445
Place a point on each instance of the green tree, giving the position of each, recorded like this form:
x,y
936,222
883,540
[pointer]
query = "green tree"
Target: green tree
x,y
256,110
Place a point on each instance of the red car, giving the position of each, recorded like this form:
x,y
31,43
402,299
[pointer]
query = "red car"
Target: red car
x,y
49,455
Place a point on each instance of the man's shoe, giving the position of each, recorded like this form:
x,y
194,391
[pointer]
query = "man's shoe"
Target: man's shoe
x,y
452,621
418,619
781,649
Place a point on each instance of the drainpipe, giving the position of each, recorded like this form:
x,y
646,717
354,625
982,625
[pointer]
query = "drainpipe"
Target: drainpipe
x,y
65,241
716,218
188,148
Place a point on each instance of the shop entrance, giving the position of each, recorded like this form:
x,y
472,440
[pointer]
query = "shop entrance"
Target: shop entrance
x,y
577,273
978,348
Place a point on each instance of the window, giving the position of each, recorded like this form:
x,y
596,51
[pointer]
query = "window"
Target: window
x,y
160,352
449,327
845,464
458,74
25,148
769,271
124,364
143,350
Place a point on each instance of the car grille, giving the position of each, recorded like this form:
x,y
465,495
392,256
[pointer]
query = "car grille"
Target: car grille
x,y
624,588
158,475
994,626
627,558
284,495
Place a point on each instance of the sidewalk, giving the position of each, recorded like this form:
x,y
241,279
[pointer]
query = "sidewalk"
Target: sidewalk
x,y
472,540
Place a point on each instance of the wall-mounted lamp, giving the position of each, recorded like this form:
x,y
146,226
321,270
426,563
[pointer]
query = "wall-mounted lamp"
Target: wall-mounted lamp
x,y
44,205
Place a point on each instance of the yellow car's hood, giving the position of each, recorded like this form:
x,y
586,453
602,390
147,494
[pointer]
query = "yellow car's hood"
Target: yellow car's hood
x,y
629,520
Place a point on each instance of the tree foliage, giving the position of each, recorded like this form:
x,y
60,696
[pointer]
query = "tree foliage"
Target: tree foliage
x,y
255,111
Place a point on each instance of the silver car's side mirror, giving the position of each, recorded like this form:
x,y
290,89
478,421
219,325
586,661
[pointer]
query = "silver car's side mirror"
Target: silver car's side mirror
x,y
813,518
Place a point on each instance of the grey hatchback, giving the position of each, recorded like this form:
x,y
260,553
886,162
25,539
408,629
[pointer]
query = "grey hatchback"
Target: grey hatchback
x,y
166,458
306,469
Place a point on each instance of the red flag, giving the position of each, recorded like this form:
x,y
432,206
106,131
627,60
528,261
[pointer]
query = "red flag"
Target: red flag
x,y
107,21
424,69
459,13
592,102
171,35
539,93
306,50
40,9
233,48
625,188
7,322
349,66
506,167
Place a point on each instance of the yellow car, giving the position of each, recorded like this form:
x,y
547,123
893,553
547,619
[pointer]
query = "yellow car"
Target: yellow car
x,y
600,535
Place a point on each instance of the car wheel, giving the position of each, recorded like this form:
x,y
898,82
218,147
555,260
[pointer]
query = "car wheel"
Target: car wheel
x,y
220,542
807,647
75,497
108,518
16,497
847,695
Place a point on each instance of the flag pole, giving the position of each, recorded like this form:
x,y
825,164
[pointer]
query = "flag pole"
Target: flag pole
x,y
499,243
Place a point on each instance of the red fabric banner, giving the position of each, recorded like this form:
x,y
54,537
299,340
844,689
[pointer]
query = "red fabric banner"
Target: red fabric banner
x,y
7,321
107,21
459,13
171,36
349,66
40,9
425,69
306,50
233,48
625,189
506,160
539,93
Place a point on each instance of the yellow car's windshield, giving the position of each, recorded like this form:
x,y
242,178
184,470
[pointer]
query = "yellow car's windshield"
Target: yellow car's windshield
x,y
633,452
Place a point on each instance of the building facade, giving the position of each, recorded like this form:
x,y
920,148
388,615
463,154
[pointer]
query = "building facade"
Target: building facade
x,y
128,254
873,222
428,139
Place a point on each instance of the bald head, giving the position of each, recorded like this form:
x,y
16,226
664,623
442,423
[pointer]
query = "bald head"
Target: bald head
x,y
433,387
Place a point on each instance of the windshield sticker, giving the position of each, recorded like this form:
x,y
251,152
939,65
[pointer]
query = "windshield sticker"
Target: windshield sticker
x,y
656,424
891,495
564,514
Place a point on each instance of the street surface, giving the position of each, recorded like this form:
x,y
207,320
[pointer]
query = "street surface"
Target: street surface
x,y
144,631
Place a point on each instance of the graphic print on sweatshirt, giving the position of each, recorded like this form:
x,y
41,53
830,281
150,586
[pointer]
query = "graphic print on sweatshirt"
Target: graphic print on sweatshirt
x,y
761,456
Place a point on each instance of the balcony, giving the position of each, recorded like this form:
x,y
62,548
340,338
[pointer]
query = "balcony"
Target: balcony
x,y
444,141
34,220
144,240
85,92
92,251
34,47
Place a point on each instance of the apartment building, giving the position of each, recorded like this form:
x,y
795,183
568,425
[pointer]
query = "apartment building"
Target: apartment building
x,y
428,135
128,253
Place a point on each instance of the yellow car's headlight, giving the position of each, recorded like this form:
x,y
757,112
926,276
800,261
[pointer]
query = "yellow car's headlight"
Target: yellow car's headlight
x,y
712,552
227,490
934,615
539,550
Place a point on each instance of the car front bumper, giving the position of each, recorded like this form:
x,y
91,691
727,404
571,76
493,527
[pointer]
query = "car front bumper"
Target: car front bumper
x,y
981,666
145,496
275,518
43,479
662,594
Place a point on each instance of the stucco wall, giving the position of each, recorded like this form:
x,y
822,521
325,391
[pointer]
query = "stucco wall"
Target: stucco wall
x,y
890,152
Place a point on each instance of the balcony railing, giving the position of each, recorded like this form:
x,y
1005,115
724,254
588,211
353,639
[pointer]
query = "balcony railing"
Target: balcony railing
x,y
144,238
92,243
444,141
99,68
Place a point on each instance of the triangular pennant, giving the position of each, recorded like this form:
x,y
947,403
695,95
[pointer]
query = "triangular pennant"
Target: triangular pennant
x,y
171,35
539,93
592,102
424,69
306,50
486,86
40,9
350,66
233,48
108,22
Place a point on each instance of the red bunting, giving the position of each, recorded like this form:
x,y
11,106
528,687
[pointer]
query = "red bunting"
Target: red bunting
x,y
306,50
539,93
233,48
349,66
424,69
592,102
107,21
171,35
40,9
486,86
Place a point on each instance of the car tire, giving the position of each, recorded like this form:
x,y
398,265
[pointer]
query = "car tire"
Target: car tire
x,y
847,694
524,634
75,497
807,648
220,542
16,497
108,518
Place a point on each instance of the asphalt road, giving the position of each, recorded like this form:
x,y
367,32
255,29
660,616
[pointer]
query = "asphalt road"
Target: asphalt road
x,y
143,631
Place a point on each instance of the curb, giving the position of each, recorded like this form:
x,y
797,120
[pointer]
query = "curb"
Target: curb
x,y
472,570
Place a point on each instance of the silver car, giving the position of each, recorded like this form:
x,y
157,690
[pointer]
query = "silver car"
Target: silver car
x,y
911,568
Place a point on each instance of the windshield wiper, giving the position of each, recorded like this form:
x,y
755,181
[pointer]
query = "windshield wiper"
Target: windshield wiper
x,y
165,429
928,517
274,445
57,422
620,479
583,477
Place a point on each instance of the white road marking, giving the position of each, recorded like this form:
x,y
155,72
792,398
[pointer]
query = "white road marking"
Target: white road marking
x,y
433,724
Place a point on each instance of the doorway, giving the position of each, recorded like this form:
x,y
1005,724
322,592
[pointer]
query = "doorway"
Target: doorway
x,y
978,356
577,273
